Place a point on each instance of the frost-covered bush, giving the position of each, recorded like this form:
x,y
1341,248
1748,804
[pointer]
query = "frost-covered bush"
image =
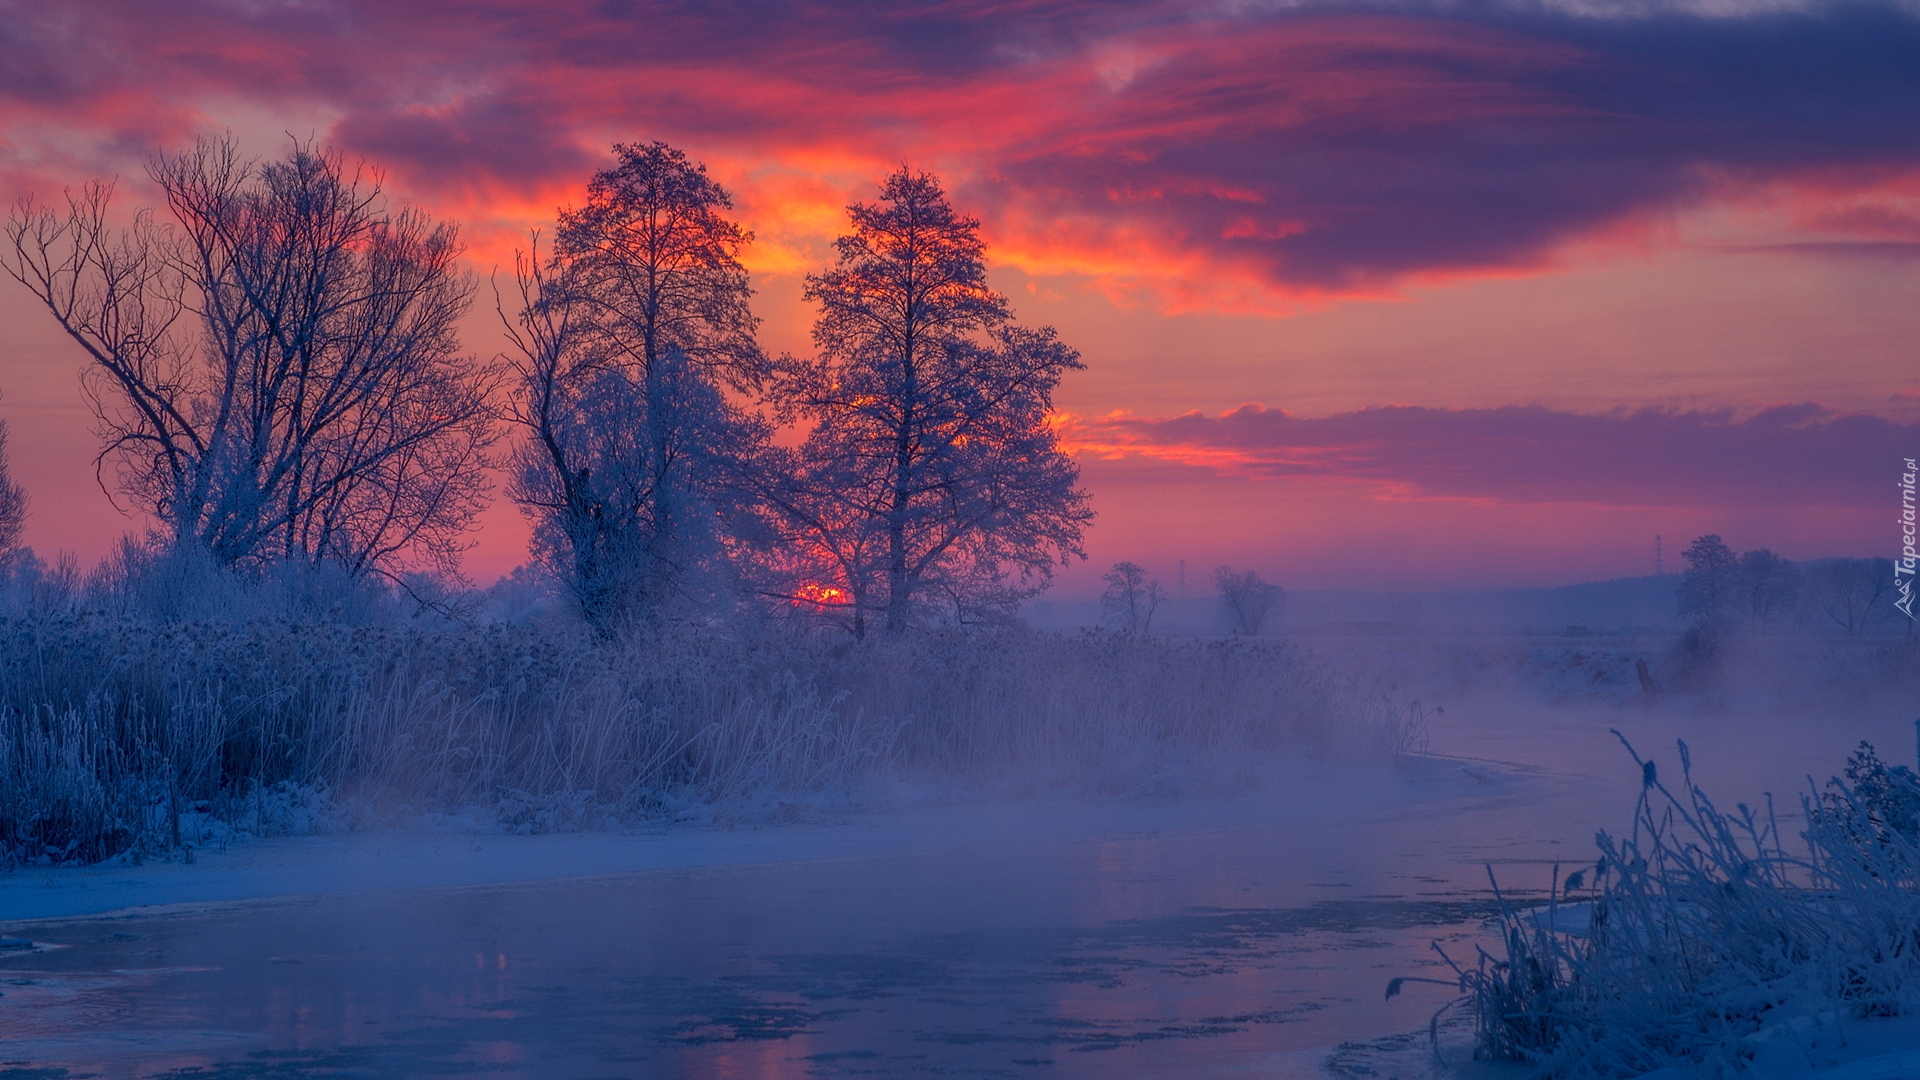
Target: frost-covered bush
x,y
126,730
1701,932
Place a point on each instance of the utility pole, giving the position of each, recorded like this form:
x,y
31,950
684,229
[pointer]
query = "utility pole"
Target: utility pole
x,y
1659,569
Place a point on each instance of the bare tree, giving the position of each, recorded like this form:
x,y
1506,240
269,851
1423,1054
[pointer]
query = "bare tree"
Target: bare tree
x,y
1130,598
1770,586
930,474
275,374
1851,591
13,507
581,523
1245,600
654,265
626,338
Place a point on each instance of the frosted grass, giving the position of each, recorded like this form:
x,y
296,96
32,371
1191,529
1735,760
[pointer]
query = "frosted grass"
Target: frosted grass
x,y
125,734
1702,934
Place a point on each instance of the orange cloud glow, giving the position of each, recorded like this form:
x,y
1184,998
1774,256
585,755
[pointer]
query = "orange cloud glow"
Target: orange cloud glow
x,y
1604,232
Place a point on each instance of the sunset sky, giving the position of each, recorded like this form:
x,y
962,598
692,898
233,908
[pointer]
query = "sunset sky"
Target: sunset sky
x,y
1370,295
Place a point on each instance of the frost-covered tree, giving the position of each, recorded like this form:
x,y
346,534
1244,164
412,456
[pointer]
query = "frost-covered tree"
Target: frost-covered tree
x,y
275,369
1710,587
652,264
930,478
627,338
1770,589
1130,598
1246,601
1851,591
13,507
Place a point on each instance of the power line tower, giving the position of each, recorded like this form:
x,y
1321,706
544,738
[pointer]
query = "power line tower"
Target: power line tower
x,y
1659,569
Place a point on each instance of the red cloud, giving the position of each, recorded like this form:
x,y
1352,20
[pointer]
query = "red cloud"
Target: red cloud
x,y
1232,154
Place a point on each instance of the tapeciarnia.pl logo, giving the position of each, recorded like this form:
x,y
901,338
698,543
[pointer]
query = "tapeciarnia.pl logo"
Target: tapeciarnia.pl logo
x,y
1903,566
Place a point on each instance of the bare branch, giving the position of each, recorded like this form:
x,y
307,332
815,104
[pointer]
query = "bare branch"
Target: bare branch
x,y
275,373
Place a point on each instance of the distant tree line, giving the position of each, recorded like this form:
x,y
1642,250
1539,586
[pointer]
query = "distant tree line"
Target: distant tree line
x,y
1244,602
1759,592
276,377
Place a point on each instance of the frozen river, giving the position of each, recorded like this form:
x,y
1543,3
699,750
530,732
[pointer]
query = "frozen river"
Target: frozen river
x,y
1196,937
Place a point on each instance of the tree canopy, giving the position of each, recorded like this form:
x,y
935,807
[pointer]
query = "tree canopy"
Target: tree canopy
x,y
930,478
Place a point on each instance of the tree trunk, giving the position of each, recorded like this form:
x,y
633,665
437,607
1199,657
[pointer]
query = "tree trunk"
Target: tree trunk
x,y
899,596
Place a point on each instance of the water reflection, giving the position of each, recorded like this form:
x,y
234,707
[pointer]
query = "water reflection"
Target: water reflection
x,y
1146,956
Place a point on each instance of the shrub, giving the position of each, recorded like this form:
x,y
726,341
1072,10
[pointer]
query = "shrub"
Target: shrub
x,y
1700,931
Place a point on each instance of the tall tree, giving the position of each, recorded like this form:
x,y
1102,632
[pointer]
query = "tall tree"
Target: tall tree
x,y
1710,587
1770,588
930,476
1852,591
653,263
276,373
1130,598
1246,600
628,338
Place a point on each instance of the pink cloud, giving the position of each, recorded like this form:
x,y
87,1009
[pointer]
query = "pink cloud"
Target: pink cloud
x,y
1309,150
1780,457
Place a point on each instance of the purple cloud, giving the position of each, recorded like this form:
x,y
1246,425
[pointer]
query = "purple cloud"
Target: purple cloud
x,y
1316,147
1803,455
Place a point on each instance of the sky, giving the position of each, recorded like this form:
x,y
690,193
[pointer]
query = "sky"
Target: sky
x,y
1376,295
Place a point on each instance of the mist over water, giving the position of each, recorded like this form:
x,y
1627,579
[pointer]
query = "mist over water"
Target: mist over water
x,y
1204,934
811,727
1229,933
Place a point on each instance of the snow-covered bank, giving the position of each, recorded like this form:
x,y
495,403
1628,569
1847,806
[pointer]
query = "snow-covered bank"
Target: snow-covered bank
x,y
1742,942
1832,1048
455,856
